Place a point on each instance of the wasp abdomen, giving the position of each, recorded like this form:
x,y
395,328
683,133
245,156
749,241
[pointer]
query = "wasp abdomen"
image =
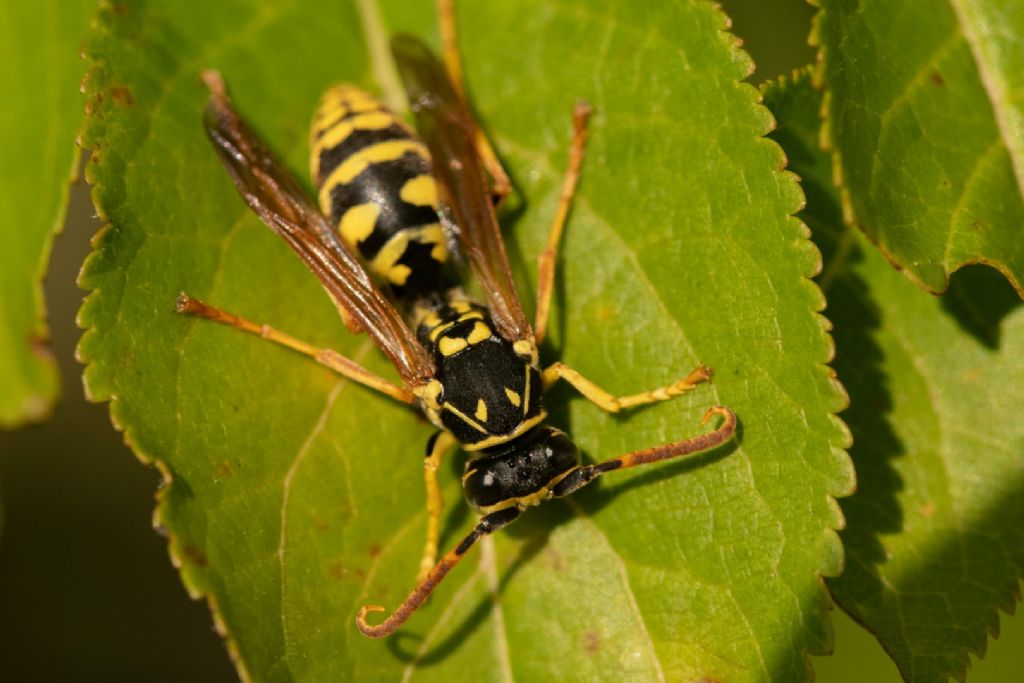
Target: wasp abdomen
x,y
375,182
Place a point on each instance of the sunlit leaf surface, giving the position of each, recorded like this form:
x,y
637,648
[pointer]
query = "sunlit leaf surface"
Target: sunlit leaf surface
x,y
934,534
926,121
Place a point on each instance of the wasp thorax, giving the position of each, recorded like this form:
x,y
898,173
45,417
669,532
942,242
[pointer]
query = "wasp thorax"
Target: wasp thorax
x,y
520,473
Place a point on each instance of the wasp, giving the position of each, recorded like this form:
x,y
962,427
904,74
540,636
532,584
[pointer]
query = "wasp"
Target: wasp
x,y
401,203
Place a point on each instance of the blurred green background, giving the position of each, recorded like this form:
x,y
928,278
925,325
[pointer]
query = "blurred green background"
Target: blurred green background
x,y
87,592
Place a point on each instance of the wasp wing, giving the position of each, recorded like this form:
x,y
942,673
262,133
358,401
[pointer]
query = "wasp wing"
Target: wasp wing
x,y
449,131
272,192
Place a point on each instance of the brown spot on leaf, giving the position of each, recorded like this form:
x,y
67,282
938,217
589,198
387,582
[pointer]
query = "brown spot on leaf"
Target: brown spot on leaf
x,y
223,471
591,642
374,550
196,555
39,346
320,523
928,509
937,78
604,313
337,571
122,96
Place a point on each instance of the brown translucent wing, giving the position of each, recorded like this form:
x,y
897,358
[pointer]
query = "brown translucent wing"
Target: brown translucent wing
x,y
448,129
271,191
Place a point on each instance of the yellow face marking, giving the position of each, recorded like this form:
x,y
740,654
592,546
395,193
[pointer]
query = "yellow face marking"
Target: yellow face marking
x,y
451,345
481,410
479,333
420,191
357,223
382,151
523,502
513,397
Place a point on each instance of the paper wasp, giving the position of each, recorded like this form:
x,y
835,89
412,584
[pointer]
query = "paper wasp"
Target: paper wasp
x,y
396,199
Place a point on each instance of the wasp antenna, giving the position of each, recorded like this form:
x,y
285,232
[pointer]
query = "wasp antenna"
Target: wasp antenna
x,y
695,444
419,594
488,524
581,112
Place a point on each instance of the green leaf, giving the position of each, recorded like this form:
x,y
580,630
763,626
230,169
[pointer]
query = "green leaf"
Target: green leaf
x,y
935,532
40,68
925,116
295,497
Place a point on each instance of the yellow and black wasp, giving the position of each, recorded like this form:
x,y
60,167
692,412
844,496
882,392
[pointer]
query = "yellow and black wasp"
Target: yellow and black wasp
x,y
402,202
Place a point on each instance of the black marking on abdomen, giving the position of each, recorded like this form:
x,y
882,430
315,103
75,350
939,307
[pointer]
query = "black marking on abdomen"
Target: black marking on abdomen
x,y
380,184
356,141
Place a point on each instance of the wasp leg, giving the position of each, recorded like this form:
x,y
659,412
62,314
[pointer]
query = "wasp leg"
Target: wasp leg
x,y
500,183
327,357
436,448
487,525
614,404
582,476
546,260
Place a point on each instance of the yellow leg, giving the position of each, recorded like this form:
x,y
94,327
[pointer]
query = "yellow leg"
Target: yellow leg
x,y
500,183
546,260
327,357
436,448
614,404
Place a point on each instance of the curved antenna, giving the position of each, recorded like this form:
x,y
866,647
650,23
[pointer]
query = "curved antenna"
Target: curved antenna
x,y
489,524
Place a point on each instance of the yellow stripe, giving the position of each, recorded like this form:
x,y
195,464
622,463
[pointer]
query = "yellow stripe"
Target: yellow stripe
x,y
526,392
338,131
348,97
420,191
357,223
465,418
513,397
523,427
358,162
480,332
449,346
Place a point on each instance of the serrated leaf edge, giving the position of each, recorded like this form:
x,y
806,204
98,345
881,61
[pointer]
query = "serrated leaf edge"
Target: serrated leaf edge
x,y
95,391
806,250
845,199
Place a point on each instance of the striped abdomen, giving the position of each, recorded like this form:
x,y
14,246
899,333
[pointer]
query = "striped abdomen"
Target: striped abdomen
x,y
375,183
